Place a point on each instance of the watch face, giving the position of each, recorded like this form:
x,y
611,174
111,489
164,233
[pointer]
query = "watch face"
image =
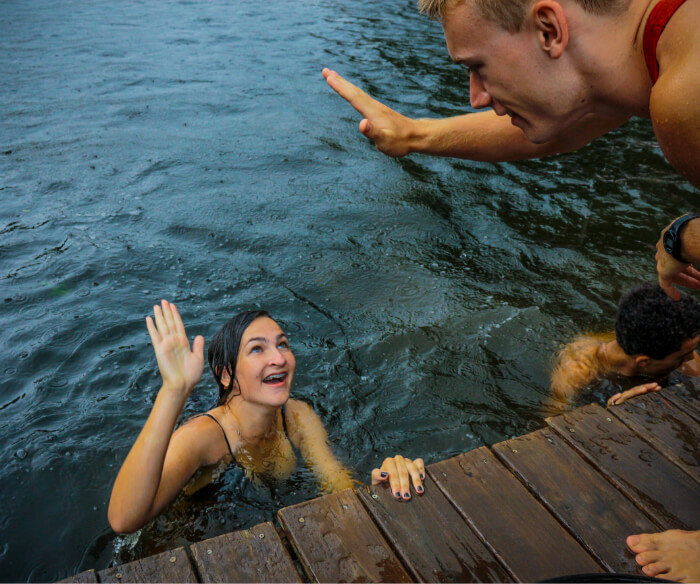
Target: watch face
x,y
669,241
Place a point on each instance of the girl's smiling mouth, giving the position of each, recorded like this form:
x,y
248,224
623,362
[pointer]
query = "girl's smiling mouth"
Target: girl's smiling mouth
x,y
275,378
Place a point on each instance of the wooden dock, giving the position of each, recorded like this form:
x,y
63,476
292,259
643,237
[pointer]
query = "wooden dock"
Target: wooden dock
x,y
556,502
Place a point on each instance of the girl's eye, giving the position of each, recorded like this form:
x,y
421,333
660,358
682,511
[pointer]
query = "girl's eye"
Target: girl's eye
x,y
283,345
256,349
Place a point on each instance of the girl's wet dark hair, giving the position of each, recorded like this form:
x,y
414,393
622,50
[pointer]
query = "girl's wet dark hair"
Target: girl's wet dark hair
x,y
224,347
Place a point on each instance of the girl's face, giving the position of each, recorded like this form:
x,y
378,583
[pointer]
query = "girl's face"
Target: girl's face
x,y
265,366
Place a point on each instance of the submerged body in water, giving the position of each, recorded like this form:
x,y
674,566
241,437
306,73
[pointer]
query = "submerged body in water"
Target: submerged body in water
x,y
256,424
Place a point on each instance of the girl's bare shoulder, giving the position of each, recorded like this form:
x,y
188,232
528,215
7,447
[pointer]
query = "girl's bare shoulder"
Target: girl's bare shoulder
x,y
205,436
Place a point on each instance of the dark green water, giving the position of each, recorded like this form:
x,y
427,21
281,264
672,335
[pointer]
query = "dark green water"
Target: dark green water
x,y
192,151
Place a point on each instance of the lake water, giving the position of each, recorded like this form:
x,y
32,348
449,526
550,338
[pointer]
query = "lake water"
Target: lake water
x,y
191,150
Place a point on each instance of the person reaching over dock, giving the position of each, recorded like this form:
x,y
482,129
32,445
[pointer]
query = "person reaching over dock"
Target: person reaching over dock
x,y
556,75
255,424
654,336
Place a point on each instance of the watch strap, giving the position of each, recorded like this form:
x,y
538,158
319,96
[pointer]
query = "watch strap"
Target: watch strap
x,y
672,237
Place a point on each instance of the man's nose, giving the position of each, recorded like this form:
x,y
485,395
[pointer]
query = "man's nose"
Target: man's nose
x,y
478,96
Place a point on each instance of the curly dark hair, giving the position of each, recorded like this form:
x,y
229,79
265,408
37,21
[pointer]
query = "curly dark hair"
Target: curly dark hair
x,y
224,347
652,324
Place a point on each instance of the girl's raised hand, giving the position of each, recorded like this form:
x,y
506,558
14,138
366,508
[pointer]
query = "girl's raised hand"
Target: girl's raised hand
x,y
400,472
180,367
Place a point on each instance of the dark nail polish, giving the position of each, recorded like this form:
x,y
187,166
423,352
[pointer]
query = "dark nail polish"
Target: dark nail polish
x,y
398,494
422,476
406,495
419,489
383,475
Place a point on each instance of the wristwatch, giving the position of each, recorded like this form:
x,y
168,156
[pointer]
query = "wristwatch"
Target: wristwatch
x,y
672,237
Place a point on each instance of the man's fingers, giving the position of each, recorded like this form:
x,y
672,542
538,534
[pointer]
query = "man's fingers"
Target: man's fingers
x,y
670,289
692,272
357,98
366,128
620,398
613,401
687,281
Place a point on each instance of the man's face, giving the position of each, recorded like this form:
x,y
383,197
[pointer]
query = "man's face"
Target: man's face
x,y
511,73
658,367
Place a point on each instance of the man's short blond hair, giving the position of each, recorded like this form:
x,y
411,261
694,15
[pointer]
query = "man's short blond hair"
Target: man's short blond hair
x,y
510,14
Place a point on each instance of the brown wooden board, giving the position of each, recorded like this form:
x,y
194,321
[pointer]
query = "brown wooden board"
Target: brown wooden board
x,y
84,577
685,396
251,555
642,473
431,538
520,532
669,430
337,541
172,566
597,513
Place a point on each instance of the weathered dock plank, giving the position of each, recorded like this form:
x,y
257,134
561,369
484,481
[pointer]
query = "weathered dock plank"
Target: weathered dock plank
x,y
655,484
522,534
666,427
172,566
431,538
557,502
86,577
599,515
250,555
685,396
337,541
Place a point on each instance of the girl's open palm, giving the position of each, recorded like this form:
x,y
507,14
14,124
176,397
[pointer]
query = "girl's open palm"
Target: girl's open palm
x,y
180,367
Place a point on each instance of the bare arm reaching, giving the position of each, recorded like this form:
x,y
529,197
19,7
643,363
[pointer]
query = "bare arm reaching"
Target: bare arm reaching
x,y
157,466
482,136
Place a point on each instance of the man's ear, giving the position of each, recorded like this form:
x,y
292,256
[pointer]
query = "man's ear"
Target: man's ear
x,y
641,361
552,27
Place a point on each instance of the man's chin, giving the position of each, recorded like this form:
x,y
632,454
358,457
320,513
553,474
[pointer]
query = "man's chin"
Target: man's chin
x,y
534,136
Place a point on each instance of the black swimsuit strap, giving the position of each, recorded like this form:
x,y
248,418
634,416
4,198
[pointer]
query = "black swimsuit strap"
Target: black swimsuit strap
x,y
284,425
224,432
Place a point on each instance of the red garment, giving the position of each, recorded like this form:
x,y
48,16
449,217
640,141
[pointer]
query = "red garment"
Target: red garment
x,y
656,23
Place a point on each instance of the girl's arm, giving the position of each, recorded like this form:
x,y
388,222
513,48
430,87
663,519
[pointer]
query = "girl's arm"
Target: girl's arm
x,y
307,433
160,463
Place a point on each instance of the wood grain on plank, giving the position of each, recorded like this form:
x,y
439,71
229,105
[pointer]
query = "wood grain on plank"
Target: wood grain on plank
x,y
685,396
336,541
250,555
672,432
642,473
172,566
519,530
594,510
431,538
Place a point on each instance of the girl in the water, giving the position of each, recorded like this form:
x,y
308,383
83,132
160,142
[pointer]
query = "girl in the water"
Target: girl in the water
x,y
255,424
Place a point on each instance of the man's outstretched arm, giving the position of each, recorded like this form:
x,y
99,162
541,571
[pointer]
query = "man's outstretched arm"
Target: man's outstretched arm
x,y
482,136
